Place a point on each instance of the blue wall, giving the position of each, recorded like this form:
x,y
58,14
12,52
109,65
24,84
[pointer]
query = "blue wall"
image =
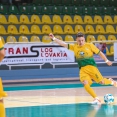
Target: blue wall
x,y
51,73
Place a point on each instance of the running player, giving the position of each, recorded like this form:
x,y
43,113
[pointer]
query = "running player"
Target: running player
x,y
2,93
88,71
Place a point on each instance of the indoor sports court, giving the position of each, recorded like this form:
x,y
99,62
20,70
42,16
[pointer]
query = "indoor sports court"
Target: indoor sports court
x,y
44,44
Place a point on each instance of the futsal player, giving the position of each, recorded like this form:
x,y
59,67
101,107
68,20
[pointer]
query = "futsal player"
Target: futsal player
x,y
88,70
2,93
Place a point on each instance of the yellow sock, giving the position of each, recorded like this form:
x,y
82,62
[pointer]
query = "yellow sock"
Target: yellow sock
x,y
2,110
90,90
1,44
107,81
2,93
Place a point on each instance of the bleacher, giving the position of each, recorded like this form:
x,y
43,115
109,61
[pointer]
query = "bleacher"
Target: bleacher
x,y
33,22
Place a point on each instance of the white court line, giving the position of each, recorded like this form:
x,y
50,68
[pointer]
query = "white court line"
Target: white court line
x,y
103,86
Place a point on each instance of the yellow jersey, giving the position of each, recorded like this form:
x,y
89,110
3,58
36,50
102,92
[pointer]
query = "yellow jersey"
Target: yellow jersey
x,y
84,54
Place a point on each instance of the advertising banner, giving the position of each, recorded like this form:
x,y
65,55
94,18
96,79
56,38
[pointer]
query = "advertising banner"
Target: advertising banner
x,y
34,53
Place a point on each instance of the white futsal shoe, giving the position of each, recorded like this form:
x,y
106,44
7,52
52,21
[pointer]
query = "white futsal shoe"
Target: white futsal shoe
x,y
114,83
96,101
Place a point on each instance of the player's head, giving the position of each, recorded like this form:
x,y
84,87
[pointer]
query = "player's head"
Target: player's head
x,y
80,38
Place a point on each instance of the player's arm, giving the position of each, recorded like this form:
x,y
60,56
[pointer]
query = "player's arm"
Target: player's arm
x,y
2,51
2,54
102,55
62,43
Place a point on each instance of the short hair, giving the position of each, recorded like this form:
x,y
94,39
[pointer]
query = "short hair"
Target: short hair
x,y
79,34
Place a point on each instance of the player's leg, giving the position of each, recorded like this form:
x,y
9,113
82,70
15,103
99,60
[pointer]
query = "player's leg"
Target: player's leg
x,y
2,109
86,80
97,76
87,87
108,81
114,83
2,93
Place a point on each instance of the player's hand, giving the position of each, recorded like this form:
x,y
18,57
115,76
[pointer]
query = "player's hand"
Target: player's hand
x,y
51,35
109,63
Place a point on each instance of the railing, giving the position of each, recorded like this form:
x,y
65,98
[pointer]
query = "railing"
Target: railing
x,y
55,63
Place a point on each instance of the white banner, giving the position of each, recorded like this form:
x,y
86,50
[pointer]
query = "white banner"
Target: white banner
x,y
34,53
115,51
